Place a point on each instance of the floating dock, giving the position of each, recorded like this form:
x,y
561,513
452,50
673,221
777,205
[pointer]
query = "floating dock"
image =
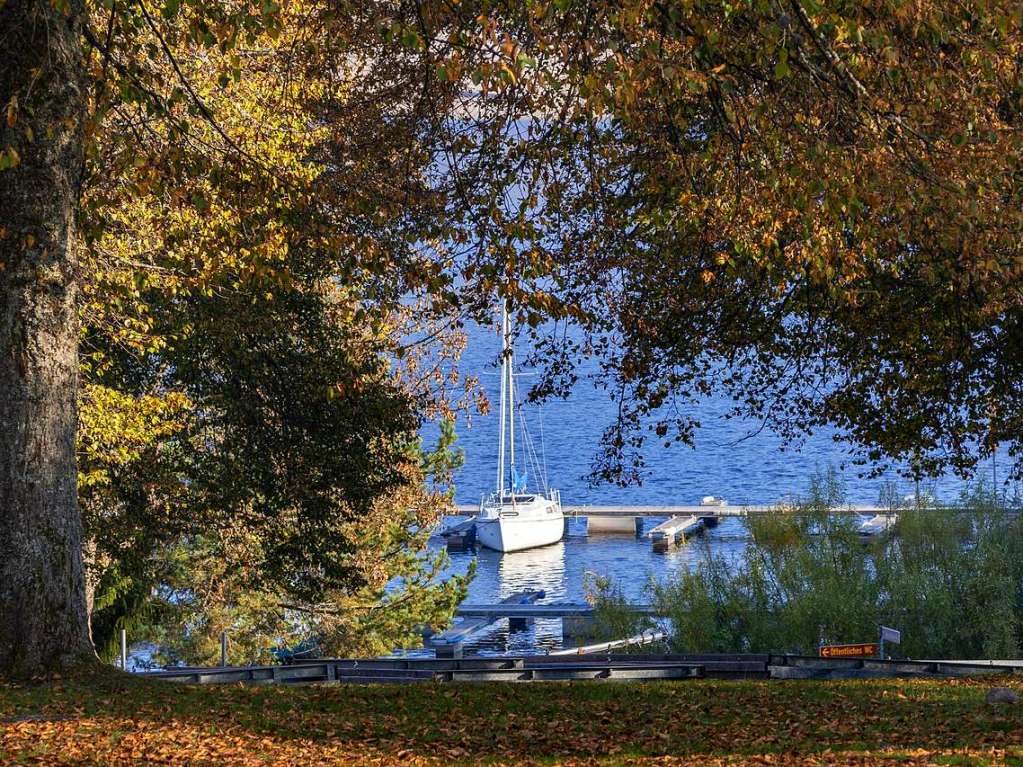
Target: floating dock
x,y
675,531
682,522
577,619
700,510
448,644
606,524
461,535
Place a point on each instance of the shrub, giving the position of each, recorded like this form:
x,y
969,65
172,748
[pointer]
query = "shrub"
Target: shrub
x,y
950,578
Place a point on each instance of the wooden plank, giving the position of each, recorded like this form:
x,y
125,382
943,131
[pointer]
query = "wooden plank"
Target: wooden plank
x,y
459,633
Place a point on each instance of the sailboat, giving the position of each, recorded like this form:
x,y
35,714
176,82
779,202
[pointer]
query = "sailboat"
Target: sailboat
x,y
512,518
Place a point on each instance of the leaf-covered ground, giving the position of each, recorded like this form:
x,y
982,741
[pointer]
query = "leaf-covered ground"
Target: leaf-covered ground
x,y
130,722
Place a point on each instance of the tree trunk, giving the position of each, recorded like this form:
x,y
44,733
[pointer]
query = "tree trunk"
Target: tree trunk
x,y
44,625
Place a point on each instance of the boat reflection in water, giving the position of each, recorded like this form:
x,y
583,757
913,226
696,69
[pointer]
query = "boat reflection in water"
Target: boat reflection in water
x,y
539,569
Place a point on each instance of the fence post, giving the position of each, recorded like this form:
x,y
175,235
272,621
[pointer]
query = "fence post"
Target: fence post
x,y
223,648
124,650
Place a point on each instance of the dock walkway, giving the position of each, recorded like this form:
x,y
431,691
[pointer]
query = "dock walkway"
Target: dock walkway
x,y
680,511
555,610
449,643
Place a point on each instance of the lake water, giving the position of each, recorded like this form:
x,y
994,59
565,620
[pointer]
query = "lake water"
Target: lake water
x,y
732,459
562,571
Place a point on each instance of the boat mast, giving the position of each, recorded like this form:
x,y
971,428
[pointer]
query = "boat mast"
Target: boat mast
x,y
509,362
504,398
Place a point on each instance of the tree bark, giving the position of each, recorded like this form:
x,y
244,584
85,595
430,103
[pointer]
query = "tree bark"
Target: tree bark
x,y
44,624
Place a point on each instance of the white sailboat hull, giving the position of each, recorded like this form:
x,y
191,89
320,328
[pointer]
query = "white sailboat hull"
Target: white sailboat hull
x,y
517,533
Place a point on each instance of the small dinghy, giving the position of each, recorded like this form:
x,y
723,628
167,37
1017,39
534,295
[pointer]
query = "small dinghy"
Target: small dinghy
x,y
877,525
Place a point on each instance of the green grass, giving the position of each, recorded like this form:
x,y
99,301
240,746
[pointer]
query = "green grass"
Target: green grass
x,y
123,720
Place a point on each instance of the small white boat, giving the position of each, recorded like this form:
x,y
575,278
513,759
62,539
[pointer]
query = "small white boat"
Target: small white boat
x,y
512,519
878,525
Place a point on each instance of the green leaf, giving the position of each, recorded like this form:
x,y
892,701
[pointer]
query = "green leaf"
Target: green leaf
x,y
412,40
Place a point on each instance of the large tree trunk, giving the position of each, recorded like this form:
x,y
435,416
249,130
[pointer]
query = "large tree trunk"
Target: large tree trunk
x,y
44,625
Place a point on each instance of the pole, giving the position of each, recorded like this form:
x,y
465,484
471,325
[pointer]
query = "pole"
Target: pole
x,y
916,477
504,395
223,648
511,397
124,650
994,478
994,463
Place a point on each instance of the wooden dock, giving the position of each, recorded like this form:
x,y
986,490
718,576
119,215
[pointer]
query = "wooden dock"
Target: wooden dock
x,y
681,524
630,519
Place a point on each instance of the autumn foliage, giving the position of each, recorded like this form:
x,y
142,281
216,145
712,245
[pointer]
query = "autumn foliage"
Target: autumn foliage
x,y
273,219
812,208
883,722
253,315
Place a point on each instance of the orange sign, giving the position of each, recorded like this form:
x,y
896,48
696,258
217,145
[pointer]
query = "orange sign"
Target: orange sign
x,y
864,650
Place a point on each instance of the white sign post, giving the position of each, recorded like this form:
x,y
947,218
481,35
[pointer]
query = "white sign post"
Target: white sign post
x,y
894,636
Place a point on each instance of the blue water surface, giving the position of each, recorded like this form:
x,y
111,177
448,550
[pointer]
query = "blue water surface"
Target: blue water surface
x,y
733,458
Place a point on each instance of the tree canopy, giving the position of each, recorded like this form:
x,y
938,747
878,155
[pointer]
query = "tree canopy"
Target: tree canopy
x,y
249,456
272,219
811,207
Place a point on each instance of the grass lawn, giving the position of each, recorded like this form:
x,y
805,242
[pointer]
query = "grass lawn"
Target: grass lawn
x,y
128,721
